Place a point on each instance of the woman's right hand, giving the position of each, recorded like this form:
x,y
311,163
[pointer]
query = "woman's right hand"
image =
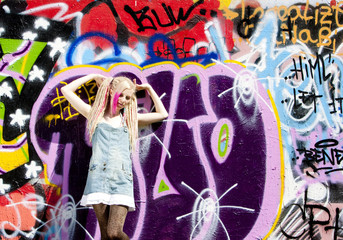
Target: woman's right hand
x,y
98,79
69,92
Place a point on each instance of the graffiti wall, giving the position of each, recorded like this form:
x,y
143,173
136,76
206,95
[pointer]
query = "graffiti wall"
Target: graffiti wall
x,y
252,147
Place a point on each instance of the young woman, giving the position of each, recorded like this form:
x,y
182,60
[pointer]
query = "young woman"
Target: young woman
x,y
113,129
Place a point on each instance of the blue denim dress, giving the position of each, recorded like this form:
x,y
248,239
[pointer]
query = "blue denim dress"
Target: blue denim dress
x,y
109,179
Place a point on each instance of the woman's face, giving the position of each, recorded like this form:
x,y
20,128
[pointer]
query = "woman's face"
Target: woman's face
x,y
125,96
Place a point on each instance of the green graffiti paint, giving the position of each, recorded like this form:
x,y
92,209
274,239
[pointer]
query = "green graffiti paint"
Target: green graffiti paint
x,y
163,187
222,150
23,64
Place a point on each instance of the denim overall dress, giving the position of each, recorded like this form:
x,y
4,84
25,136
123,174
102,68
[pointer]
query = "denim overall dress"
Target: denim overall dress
x,y
109,179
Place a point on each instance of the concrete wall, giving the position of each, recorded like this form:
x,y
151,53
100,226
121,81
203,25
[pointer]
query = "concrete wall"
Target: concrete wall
x,y
252,145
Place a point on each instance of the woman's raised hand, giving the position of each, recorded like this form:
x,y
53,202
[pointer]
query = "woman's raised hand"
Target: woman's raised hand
x,y
144,86
98,79
151,117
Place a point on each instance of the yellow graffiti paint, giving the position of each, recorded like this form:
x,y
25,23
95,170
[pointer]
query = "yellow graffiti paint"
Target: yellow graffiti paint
x,y
224,4
49,118
146,67
236,62
46,180
13,159
228,14
282,165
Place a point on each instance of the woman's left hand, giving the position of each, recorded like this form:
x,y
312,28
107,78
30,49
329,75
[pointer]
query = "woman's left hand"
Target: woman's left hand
x,y
143,86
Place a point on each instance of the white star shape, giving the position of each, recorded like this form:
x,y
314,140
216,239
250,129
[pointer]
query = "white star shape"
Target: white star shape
x,y
42,23
3,187
19,118
32,170
57,46
36,73
2,30
29,35
5,90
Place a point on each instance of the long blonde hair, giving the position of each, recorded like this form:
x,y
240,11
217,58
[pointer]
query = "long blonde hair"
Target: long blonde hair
x,y
102,102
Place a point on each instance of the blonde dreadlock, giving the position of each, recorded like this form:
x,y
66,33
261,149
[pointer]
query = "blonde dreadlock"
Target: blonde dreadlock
x,y
102,102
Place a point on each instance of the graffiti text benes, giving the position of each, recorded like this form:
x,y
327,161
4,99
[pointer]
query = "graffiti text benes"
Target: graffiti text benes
x,y
326,156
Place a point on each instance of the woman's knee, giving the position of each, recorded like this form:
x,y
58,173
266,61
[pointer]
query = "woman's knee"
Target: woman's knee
x,y
115,234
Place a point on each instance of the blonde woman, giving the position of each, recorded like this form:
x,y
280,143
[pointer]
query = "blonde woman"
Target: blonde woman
x,y
113,129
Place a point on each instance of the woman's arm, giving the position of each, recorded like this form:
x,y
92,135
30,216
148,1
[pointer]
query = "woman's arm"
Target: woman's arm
x,y
160,114
69,93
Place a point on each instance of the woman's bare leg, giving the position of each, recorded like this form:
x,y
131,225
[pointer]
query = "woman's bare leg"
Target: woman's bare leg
x,y
116,220
102,214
